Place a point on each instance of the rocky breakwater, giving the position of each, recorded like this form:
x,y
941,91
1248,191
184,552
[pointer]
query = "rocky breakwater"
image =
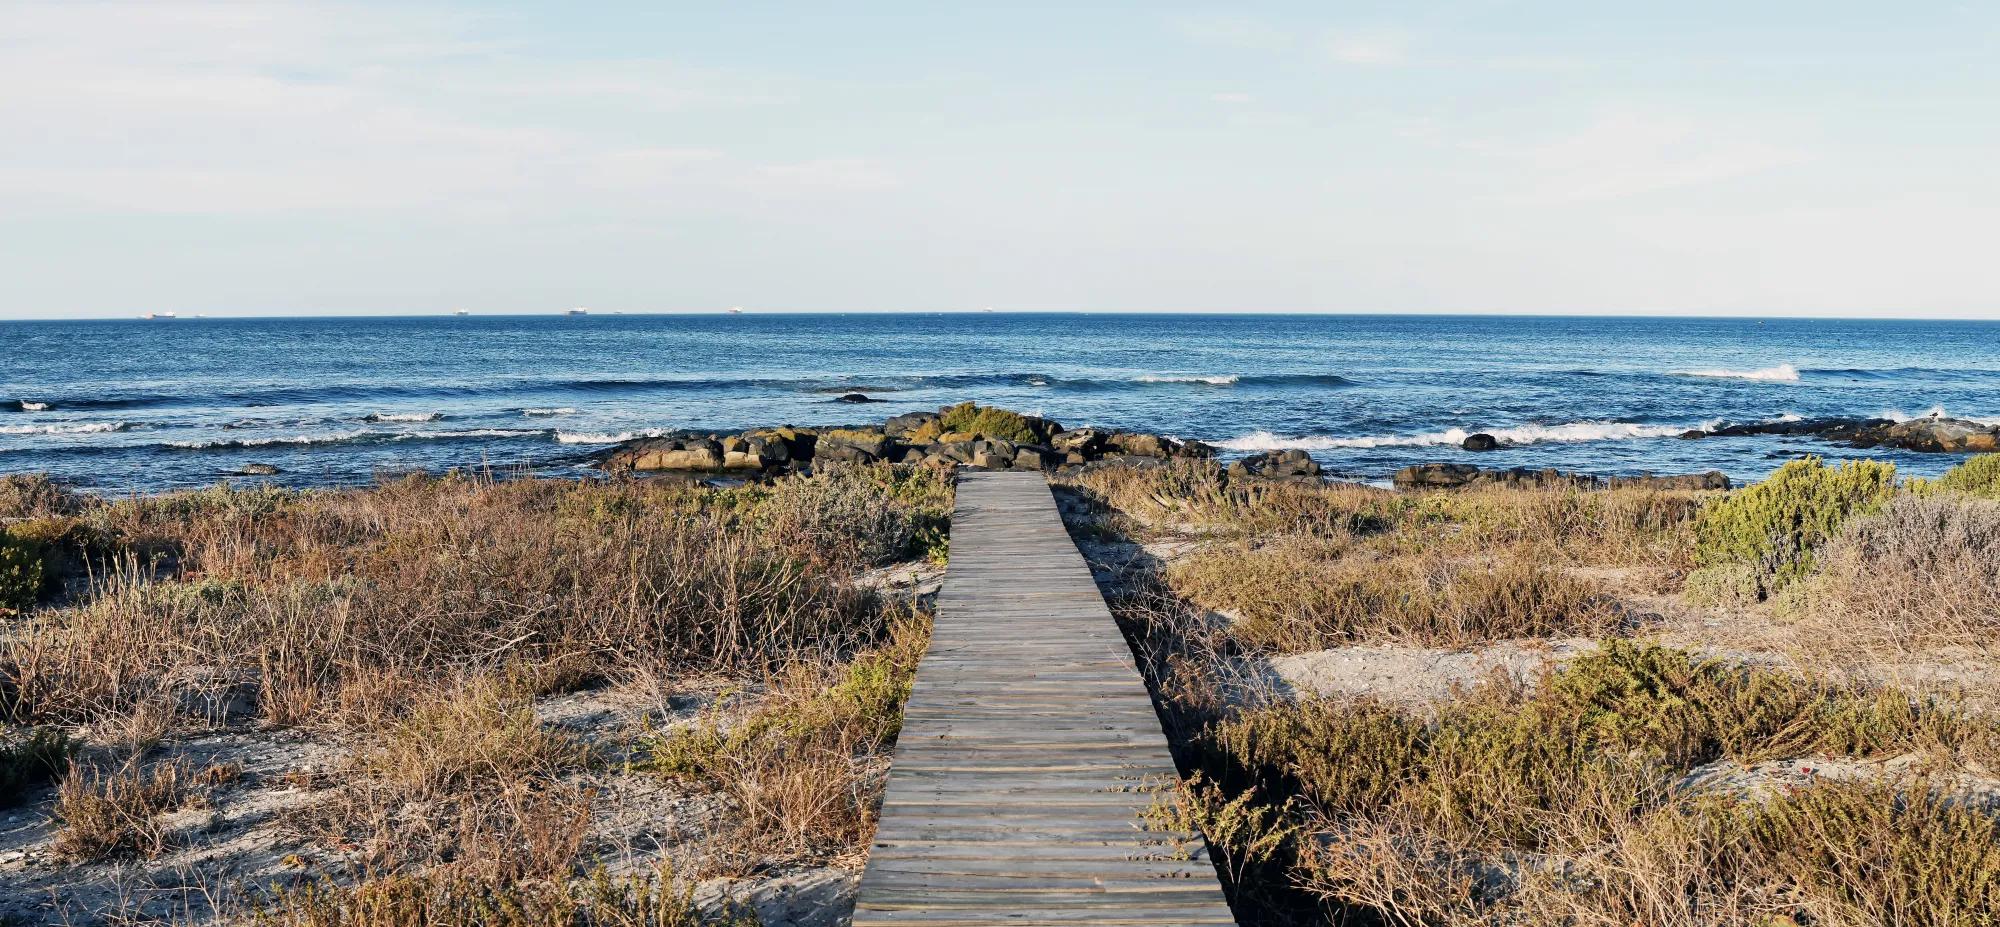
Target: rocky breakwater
x,y
1465,476
1932,433
960,435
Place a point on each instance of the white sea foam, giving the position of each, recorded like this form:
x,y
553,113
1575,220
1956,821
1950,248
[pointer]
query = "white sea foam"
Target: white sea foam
x,y
547,413
336,437
1783,373
472,433
1219,380
1936,411
588,437
27,406
1573,432
406,416
65,428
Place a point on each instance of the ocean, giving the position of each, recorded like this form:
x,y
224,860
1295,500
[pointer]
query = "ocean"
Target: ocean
x,y
143,406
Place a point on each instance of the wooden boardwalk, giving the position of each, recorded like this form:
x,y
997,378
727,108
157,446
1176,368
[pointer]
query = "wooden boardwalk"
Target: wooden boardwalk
x,y
1018,779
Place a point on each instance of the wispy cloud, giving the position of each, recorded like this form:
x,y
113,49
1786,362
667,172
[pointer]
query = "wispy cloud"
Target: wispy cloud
x,y
1231,31
1627,153
1368,48
1231,98
199,107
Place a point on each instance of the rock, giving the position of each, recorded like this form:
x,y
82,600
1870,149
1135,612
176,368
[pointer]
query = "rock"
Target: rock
x,y
837,452
1934,434
867,440
1481,442
1931,434
994,455
1033,457
1087,442
1435,476
790,443
1285,464
1192,448
856,398
901,425
258,469
1457,476
954,451
1713,479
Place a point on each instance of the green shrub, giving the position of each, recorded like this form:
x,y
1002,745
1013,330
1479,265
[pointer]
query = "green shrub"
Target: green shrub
x,y
1977,476
34,495
30,759
1777,526
985,421
22,573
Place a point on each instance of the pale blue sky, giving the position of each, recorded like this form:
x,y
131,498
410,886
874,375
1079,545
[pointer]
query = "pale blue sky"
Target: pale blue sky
x,y
1830,158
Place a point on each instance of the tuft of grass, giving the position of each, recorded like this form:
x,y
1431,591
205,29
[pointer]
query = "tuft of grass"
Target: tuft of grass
x,y
793,766
1768,536
103,813
1294,597
22,574
31,757
478,737
986,422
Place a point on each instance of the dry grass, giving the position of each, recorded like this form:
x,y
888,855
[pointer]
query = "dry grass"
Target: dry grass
x,y
421,620
1924,574
652,900
102,812
323,606
1294,597
1574,800
799,768
1508,805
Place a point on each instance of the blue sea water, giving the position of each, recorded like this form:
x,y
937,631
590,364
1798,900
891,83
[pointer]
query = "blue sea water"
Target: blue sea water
x,y
138,406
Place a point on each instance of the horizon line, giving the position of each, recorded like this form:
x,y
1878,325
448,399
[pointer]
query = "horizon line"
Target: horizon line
x,y
586,312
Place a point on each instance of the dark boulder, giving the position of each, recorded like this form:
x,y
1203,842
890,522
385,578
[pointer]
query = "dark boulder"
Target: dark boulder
x,y
856,398
1286,464
1436,476
258,469
1480,442
1713,479
900,425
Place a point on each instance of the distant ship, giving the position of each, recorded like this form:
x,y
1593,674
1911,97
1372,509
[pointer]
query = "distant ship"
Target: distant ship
x,y
463,312
736,310
157,315
579,311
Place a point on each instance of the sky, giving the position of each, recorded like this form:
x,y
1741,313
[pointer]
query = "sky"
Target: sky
x,y
1772,158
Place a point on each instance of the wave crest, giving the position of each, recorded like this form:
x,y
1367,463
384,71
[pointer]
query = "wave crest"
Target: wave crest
x,y
66,428
1783,373
1570,433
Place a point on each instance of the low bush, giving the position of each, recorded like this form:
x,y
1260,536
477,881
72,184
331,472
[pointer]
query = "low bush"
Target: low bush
x,y
22,574
1777,526
986,422
31,757
1923,573
1977,476
34,495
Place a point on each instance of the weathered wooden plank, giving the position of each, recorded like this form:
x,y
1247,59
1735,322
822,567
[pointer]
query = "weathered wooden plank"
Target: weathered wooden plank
x,y
1028,747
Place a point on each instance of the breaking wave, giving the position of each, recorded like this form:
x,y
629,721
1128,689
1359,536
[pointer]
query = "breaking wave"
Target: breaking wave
x,y
590,437
1783,373
404,417
66,428
1571,433
31,406
548,413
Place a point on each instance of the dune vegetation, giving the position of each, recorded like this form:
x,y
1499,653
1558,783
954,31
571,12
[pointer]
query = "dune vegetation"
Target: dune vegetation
x,y
1573,706
455,699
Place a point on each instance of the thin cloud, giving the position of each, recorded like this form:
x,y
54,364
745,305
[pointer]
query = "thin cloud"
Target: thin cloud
x,y
1377,48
